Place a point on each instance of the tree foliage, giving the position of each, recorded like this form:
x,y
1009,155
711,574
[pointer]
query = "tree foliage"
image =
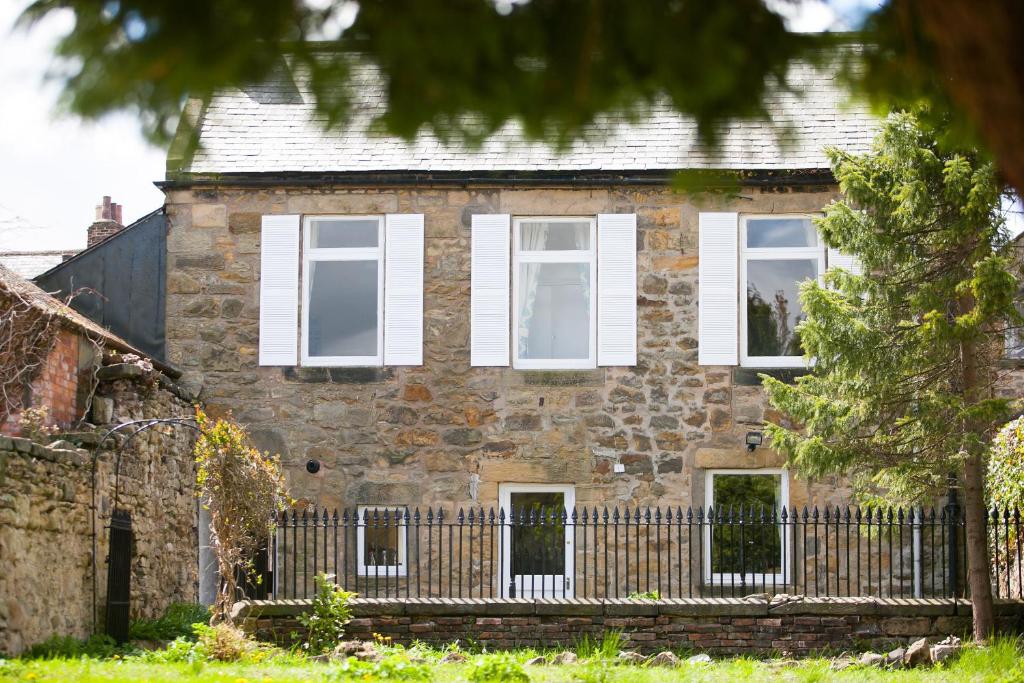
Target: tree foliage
x,y
904,385
886,400
241,488
462,68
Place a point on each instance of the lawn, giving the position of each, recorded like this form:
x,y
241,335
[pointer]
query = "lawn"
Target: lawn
x,y
1001,662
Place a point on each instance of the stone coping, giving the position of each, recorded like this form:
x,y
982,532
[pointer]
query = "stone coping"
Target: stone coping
x,y
752,606
27,448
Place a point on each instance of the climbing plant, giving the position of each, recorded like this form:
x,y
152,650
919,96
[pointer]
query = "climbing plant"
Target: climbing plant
x,y
27,335
241,487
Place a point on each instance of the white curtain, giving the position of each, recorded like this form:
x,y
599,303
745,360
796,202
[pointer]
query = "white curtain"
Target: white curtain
x,y
533,238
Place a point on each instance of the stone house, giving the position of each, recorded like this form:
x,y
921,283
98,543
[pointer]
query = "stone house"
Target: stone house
x,y
414,324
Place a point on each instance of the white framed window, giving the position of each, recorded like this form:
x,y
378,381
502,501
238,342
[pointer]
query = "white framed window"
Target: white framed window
x,y
381,541
343,291
776,253
554,308
749,553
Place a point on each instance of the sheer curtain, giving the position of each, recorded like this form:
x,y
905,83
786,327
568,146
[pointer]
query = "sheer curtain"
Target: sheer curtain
x,y
547,237
533,237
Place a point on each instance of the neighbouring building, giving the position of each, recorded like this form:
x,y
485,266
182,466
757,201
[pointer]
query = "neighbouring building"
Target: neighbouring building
x,y
62,484
118,280
414,324
26,262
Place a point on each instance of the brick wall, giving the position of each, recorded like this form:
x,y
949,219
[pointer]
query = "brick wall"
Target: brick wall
x,y
57,385
724,626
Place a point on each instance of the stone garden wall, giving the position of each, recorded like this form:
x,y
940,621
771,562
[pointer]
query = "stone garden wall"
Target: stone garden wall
x,y
755,625
422,435
47,517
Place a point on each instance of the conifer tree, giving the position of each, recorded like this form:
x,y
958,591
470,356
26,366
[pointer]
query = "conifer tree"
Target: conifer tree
x,y
906,354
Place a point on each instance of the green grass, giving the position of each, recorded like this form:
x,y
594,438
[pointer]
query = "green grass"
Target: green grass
x,y
1002,663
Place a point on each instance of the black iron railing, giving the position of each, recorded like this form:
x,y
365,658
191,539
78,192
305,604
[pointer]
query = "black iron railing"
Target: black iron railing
x,y
634,552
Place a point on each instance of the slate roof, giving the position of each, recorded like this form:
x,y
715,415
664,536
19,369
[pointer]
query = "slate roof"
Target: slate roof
x,y
272,128
31,263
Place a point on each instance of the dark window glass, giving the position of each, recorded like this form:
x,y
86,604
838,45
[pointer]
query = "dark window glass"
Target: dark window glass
x,y
755,546
773,305
538,535
380,542
343,308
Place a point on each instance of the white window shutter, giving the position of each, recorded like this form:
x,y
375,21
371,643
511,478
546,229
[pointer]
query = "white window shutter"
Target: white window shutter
x,y
279,290
403,289
836,259
489,297
718,289
616,289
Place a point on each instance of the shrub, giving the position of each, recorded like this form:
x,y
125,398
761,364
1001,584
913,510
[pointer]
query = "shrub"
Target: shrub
x,y
1005,477
649,595
223,642
501,668
176,622
330,612
65,647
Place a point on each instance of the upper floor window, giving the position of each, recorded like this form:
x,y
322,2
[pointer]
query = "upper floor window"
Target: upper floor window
x,y
554,309
343,287
776,254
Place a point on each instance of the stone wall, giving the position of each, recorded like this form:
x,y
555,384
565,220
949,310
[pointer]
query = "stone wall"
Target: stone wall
x,y
792,624
418,435
47,514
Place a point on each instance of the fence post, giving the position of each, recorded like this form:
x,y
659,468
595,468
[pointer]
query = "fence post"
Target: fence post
x,y
953,520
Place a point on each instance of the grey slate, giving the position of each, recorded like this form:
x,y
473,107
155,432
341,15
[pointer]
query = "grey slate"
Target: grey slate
x,y
273,128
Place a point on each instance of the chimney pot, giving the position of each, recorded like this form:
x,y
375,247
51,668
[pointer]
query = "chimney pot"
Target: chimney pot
x,y
108,221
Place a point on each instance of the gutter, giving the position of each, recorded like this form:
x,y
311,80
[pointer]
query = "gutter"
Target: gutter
x,y
709,180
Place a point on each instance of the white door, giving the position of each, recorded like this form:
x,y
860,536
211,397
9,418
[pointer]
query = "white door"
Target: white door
x,y
537,546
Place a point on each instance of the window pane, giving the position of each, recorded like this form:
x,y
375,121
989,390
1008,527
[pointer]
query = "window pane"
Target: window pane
x,y
545,236
380,543
755,547
554,310
773,305
781,232
343,308
342,233
537,548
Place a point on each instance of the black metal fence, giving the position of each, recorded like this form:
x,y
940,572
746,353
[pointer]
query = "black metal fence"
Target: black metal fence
x,y
634,552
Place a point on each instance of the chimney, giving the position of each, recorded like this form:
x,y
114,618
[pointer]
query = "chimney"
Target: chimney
x,y
107,223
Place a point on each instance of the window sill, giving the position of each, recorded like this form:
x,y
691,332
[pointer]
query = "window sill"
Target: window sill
x,y
389,574
744,376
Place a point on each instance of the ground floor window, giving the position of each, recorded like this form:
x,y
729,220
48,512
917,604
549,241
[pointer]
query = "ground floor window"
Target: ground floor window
x,y
537,544
381,541
744,541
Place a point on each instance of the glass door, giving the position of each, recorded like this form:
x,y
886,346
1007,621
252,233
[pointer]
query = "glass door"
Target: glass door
x,y
537,541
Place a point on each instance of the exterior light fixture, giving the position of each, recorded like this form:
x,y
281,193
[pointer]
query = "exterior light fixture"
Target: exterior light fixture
x,y
312,466
753,440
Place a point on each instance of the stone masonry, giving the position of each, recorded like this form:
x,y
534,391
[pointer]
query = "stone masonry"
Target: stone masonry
x,y
47,515
800,626
416,435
